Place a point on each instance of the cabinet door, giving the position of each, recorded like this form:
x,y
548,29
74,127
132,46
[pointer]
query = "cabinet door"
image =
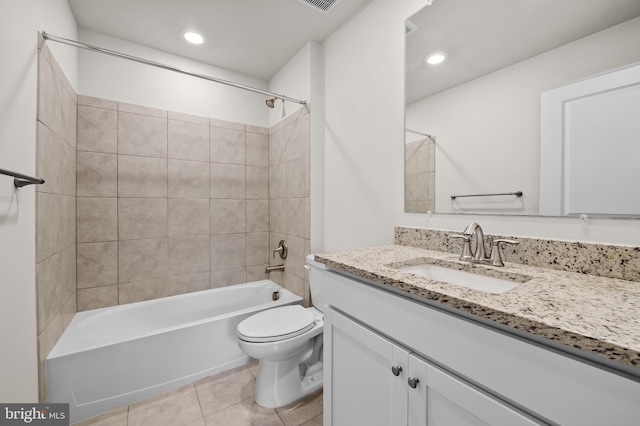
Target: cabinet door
x,y
361,385
441,399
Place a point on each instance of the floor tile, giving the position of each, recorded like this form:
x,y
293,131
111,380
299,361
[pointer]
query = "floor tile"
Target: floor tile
x,y
303,410
316,421
225,389
175,408
244,413
116,417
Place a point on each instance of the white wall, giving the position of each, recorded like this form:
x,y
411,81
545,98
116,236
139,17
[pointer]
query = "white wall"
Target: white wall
x,y
118,79
364,126
292,80
19,23
364,131
497,118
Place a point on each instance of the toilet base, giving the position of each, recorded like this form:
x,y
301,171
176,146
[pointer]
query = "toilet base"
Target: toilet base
x,y
279,383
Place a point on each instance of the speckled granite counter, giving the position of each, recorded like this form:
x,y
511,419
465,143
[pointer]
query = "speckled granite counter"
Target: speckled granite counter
x,y
588,312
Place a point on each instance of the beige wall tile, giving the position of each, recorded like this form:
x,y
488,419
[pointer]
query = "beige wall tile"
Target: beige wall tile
x,y
258,129
55,224
97,219
213,122
227,181
139,291
142,259
278,218
227,146
142,176
188,141
258,252
49,96
97,129
278,181
257,215
69,118
68,175
188,217
278,146
48,160
97,102
97,174
227,277
296,178
68,274
188,179
97,297
228,251
46,341
97,264
295,217
257,149
188,118
49,284
257,182
228,216
140,218
257,273
298,140
142,135
188,283
189,255
141,110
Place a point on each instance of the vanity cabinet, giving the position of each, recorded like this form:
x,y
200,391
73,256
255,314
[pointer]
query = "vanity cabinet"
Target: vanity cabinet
x,y
468,372
377,382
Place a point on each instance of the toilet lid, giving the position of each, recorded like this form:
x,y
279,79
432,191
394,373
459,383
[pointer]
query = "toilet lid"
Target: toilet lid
x,y
276,324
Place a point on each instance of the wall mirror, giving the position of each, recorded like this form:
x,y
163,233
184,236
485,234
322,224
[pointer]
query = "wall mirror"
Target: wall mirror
x,y
473,122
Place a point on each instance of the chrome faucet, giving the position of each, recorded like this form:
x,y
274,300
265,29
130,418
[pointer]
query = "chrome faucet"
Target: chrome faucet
x,y
474,232
479,254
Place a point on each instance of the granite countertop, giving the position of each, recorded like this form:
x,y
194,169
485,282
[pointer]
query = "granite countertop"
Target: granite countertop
x,y
588,312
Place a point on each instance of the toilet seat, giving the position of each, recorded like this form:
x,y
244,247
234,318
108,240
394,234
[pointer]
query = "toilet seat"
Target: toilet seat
x,y
276,324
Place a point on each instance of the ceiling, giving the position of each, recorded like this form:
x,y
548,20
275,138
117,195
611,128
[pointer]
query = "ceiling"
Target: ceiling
x,y
253,37
481,37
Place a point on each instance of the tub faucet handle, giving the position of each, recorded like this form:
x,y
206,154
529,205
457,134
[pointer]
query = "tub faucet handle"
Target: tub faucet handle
x,y
282,250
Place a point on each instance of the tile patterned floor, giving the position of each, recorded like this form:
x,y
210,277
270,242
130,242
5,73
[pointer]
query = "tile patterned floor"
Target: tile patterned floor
x,y
222,400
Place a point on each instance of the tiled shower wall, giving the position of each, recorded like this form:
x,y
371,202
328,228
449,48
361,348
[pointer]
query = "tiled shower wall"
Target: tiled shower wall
x,y
55,206
289,184
168,203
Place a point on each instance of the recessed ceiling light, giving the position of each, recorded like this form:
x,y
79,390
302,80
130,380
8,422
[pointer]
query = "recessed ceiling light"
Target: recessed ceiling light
x,y
436,58
193,37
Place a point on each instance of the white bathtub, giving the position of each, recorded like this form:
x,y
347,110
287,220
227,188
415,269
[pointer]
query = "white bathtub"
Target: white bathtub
x,y
114,356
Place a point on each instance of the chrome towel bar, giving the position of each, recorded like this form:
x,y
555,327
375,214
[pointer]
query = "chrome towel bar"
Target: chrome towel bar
x,y
517,194
21,180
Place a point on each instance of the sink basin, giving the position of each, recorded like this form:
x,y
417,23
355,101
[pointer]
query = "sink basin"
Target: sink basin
x,y
462,278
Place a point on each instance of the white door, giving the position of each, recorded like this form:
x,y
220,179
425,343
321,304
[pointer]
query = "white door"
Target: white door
x,y
365,375
437,398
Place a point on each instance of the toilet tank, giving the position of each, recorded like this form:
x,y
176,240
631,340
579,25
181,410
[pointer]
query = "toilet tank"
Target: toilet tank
x,y
317,275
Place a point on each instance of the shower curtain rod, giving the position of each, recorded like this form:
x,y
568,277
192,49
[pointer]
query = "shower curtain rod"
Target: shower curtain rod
x,y
166,67
418,133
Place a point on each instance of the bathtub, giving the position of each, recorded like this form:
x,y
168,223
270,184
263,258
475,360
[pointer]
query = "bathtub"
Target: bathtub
x,y
114,356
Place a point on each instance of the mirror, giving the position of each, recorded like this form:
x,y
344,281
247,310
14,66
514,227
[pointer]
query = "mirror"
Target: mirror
x,y
473,122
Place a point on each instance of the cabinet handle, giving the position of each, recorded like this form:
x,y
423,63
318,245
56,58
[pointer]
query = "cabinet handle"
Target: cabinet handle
x,y
413,382
396,370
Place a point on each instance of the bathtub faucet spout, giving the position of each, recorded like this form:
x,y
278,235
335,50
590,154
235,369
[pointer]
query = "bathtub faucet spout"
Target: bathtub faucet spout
x,y
274,268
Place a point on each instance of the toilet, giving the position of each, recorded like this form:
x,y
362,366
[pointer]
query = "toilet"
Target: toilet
x,y
287,342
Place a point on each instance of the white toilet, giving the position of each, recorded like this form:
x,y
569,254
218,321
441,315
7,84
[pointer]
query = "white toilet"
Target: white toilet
x,y
287,342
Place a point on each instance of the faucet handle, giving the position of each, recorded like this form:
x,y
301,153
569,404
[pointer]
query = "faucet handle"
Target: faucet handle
x,y
496,251
466,246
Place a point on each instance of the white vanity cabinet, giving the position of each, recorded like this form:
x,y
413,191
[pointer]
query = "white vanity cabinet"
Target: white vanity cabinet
x,y
467,373
377,382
